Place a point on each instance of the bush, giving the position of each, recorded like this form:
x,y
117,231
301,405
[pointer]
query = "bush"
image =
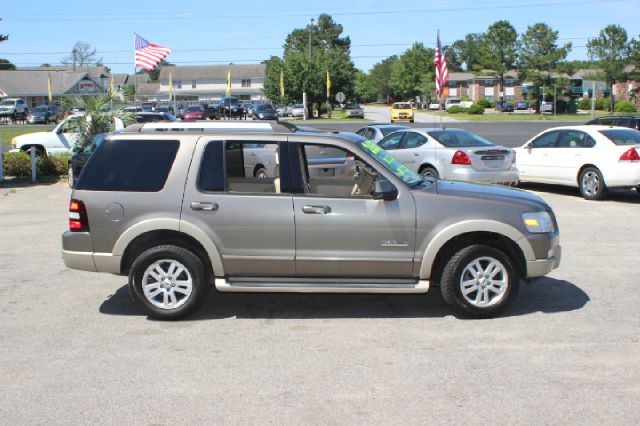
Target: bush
x,y
585,103
484,103
19,164
476,109
625,106
455,109
601,104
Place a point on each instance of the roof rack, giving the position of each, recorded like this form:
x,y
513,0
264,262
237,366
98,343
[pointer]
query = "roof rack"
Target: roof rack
x,y
209,126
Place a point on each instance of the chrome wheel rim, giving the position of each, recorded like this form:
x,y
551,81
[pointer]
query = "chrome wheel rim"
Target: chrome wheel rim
x,y
591,183
428,172
167,284
484,282
261,174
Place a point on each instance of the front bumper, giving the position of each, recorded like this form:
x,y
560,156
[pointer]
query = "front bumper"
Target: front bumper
x,y
40,119
540,267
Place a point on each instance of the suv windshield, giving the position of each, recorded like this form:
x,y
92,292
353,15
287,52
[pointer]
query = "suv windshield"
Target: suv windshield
x,y
264,108
456,138
622,136
7,102
390,163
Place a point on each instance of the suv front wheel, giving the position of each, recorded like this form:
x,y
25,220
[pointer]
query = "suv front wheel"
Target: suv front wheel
x,y
479,281
168,282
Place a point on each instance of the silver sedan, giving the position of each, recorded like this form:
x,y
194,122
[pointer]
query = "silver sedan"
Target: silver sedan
x,y
375,132
453,154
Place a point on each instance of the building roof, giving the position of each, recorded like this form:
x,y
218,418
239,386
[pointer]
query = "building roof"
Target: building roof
x,y
212,72
97,72
35,83
120,79
148,89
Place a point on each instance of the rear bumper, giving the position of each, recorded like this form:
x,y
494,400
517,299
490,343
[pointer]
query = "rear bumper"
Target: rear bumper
x,y
77,253
466,173
625,174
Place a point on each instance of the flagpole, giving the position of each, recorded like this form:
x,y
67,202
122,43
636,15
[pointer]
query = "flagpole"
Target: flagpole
x,y
135,74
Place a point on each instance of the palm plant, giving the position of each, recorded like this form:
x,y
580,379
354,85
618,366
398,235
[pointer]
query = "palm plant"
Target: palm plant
x,y
99,117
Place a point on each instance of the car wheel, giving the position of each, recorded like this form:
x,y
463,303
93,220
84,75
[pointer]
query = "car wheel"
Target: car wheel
x,y
260,172
392,121
411,121
426,171
71,178
592,186
168,282
479,281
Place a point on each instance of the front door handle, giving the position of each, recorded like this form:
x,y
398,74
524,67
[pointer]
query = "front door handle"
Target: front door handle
x,y
316,209
198,205
416,154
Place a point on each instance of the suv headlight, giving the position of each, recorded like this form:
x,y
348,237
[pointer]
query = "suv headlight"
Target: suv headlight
x,y
538,222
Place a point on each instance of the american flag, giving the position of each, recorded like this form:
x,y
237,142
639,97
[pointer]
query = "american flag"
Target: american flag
x,y
149,55
440,61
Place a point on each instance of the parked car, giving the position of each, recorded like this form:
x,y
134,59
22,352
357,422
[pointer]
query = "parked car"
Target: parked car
x,y
264,112
148,117
177,213
631,121
13,108
453,154
44,114
375,132
401,111
451,102
546,107
288,110
297,110
148,106
353,111
503,106
81,156
592,158
164,108
193,113
248,108
212,111
60,140
231,108
434,106
77,111
281,111
520,106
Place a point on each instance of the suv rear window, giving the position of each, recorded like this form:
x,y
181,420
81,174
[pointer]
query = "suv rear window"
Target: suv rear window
x,y
129,165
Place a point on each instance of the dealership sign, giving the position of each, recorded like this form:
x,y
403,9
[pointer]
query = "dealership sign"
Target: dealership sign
x,y
87,86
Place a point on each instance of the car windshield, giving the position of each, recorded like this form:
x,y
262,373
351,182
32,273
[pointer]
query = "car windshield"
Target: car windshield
x,y
402,106
194,109
388,130
230,102
40,109
298,106
622,136
390,163
352,106
264,108
7,102
456,138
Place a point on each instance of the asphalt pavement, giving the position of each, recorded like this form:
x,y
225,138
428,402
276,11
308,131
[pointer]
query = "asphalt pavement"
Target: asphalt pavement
x,y
75,350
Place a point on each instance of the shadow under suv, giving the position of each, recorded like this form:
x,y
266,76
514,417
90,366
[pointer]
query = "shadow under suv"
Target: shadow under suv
x,y
174,207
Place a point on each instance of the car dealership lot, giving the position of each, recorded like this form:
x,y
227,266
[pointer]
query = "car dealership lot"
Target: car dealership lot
x,y
73,348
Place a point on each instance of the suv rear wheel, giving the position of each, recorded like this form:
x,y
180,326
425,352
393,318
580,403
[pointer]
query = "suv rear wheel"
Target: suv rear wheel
x,y
479,281
168,282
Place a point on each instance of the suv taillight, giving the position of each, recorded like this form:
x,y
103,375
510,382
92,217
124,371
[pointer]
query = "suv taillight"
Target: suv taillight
x,y
461,158
630,155
78,221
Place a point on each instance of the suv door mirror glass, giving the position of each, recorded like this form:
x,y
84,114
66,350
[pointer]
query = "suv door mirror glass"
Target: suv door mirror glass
x,y
384,190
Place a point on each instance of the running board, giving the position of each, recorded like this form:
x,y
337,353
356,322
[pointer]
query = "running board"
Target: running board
x,y
320,285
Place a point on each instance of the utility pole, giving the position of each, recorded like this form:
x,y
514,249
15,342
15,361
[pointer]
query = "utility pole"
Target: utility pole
x,y
593,99
554,101
312,24
74,54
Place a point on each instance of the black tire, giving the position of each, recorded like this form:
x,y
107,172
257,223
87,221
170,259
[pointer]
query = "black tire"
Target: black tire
x,y
429,171
592,186
193,266
452,275
260,172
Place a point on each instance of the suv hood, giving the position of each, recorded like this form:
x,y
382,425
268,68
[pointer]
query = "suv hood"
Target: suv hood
x,y
490,192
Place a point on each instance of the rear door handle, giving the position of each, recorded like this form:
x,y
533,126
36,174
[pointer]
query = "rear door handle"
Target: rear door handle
x,y
198,205
316,209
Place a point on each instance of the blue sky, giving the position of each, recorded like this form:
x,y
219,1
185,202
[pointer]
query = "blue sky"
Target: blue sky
x,y
250,31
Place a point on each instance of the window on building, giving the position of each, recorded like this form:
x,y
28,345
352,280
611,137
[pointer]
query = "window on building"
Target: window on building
x,y
193,84
246,83
178,84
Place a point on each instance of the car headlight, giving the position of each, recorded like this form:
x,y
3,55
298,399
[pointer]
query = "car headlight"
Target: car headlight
x,y
14,143
538,222
261,115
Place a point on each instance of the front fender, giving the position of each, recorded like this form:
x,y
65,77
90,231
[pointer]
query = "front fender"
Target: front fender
x,y
469,226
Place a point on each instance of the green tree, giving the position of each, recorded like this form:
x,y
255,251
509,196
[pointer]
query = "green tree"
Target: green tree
x,y
312,51
272,80
540,56
499,50
154,74
411,70
6,65
468,51
611,50
379,80
363,92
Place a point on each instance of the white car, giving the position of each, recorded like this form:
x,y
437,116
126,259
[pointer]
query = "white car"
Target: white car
x,y
60,140
452,154
434,106
592,158
297,110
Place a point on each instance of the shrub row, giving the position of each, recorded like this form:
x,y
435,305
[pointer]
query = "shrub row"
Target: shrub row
x,y
473,109
19,164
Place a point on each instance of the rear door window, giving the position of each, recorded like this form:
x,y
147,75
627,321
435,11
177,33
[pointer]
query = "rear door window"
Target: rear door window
x,y
129,165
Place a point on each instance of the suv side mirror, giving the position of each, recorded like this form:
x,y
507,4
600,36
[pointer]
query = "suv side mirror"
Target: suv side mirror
x,y
384,190
529,145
